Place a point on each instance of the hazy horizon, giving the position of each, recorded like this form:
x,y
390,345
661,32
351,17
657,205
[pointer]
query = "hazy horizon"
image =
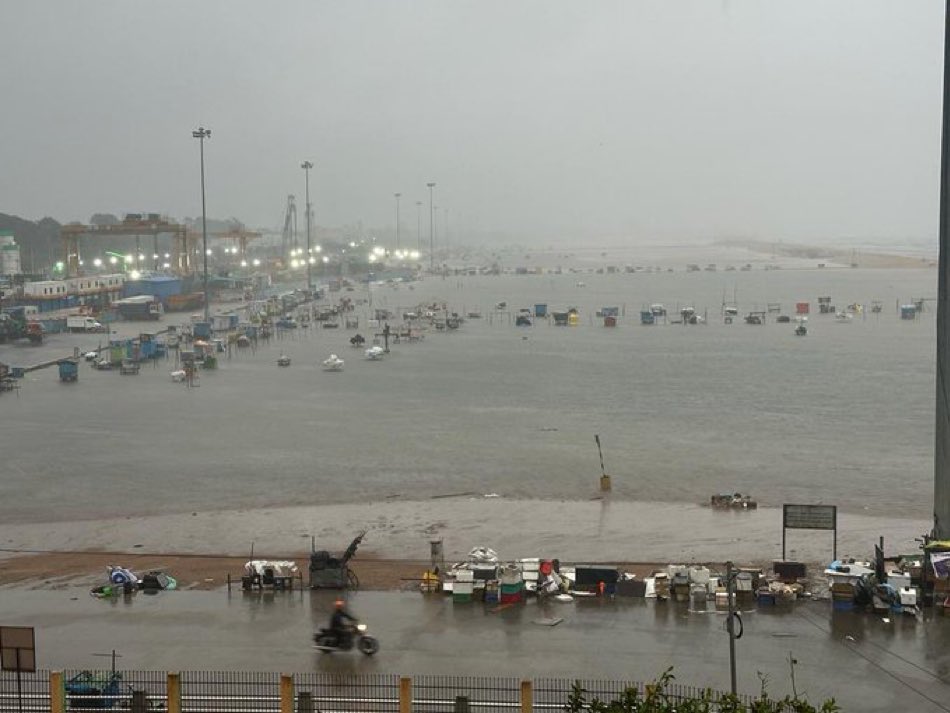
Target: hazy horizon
x,y
545,123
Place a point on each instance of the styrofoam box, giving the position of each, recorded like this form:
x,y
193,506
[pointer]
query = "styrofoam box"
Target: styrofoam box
x,y
463,588
675,569
699,575
464,575
908,597
898,580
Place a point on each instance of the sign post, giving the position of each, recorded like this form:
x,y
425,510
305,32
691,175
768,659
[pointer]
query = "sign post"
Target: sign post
x,y
810,517
18,653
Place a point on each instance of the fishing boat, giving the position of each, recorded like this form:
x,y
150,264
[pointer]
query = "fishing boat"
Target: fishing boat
x,y
283,360
843,317
375,353
333,363
801,329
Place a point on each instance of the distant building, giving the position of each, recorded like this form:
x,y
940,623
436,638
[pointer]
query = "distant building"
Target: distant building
x,y
9,254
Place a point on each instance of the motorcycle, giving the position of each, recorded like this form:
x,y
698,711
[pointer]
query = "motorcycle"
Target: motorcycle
x,y
326,640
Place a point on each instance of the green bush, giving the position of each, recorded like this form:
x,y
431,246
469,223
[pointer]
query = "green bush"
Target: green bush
x,y
657,698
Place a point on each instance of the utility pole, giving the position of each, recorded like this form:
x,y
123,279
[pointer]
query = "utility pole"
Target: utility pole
x,y
941,529
730,624
201,134
306,166
431,230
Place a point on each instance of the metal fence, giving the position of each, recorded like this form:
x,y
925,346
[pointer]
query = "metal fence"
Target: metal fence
x,y
258,692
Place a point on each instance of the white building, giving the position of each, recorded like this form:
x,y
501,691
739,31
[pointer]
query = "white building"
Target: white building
x,y
9,254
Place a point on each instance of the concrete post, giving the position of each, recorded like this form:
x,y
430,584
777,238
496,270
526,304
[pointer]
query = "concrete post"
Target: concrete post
x,y
139,702
173,692
405,695
527,696
57,692
305,702
286,693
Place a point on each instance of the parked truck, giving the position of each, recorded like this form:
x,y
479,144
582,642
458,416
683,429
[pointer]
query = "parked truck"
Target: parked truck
x,y
83,324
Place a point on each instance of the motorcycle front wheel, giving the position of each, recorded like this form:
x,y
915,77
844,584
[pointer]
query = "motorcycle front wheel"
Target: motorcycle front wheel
x,y
368,645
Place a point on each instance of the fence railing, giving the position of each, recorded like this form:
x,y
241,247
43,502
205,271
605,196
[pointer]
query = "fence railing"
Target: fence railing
x,y
258,692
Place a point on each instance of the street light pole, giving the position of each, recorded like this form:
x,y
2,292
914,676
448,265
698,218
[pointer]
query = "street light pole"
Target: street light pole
x,y
419,226
306,166
201,134
398,195
431,229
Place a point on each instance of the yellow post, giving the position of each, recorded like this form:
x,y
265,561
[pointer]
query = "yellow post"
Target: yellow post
x,y
286,693
173,692
57,692
527,696
405,695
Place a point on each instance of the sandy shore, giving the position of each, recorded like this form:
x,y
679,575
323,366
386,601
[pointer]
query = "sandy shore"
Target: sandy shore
x,y
201,548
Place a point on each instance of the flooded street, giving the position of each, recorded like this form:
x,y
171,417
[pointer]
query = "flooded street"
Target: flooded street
x,y
865,663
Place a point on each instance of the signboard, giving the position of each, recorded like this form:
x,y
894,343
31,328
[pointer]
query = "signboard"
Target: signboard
x,y
810,517
17,648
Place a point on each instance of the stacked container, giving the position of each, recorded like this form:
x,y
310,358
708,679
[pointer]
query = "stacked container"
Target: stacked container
x,y
512,585
463,587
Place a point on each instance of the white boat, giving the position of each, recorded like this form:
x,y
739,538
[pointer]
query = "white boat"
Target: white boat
x,y
333,363
375,353
843,317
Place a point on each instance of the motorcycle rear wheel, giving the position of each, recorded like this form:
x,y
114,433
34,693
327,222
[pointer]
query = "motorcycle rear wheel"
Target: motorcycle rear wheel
x,y
368,645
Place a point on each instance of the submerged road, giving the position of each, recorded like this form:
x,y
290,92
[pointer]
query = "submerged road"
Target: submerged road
x,y
866,663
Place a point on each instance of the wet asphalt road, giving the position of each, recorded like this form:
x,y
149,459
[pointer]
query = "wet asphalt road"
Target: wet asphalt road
x,y
866,663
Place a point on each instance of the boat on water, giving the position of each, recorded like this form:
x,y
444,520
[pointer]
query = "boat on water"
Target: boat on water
x,y
523,319
283,360
801,329
375,353
843,317
733,501
333,363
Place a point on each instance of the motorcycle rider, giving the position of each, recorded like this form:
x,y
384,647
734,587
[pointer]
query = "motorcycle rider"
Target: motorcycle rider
x,y
338,623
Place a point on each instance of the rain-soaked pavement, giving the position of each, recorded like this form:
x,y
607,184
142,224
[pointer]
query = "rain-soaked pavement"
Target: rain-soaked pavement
x,y
866,662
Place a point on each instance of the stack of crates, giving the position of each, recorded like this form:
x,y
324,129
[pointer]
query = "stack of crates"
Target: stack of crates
x,y
463,587
842,596
512,586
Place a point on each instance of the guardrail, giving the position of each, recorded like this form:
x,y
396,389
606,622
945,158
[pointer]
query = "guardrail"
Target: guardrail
x,y
258,692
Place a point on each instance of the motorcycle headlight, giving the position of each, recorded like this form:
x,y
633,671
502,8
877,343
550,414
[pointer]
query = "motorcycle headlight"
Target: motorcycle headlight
x,y
361,627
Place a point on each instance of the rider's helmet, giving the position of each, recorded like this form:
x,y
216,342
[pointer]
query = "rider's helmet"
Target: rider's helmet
x,y
339,604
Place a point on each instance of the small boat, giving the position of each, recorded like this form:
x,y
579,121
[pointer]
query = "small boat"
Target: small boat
x,y
333,363
523,319
801,330
733,501
179,375
843,317
283,360
375,353
783,319
243,341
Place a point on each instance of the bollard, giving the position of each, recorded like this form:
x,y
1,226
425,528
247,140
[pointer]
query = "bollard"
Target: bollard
x,y
305,702
461,705
173,693
139,702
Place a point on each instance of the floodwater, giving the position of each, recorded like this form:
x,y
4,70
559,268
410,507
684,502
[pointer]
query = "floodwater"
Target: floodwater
x,y
842,416
866,662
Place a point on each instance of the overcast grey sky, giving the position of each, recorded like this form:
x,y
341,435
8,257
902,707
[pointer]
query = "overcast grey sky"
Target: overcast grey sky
x,y
660,120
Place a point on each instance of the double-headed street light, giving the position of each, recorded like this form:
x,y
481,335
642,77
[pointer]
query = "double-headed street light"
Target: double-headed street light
x,y
306,166
201,134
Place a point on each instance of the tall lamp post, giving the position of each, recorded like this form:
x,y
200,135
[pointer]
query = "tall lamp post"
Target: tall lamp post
x,y
419,226
397,196
431,230
201,134
306,166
